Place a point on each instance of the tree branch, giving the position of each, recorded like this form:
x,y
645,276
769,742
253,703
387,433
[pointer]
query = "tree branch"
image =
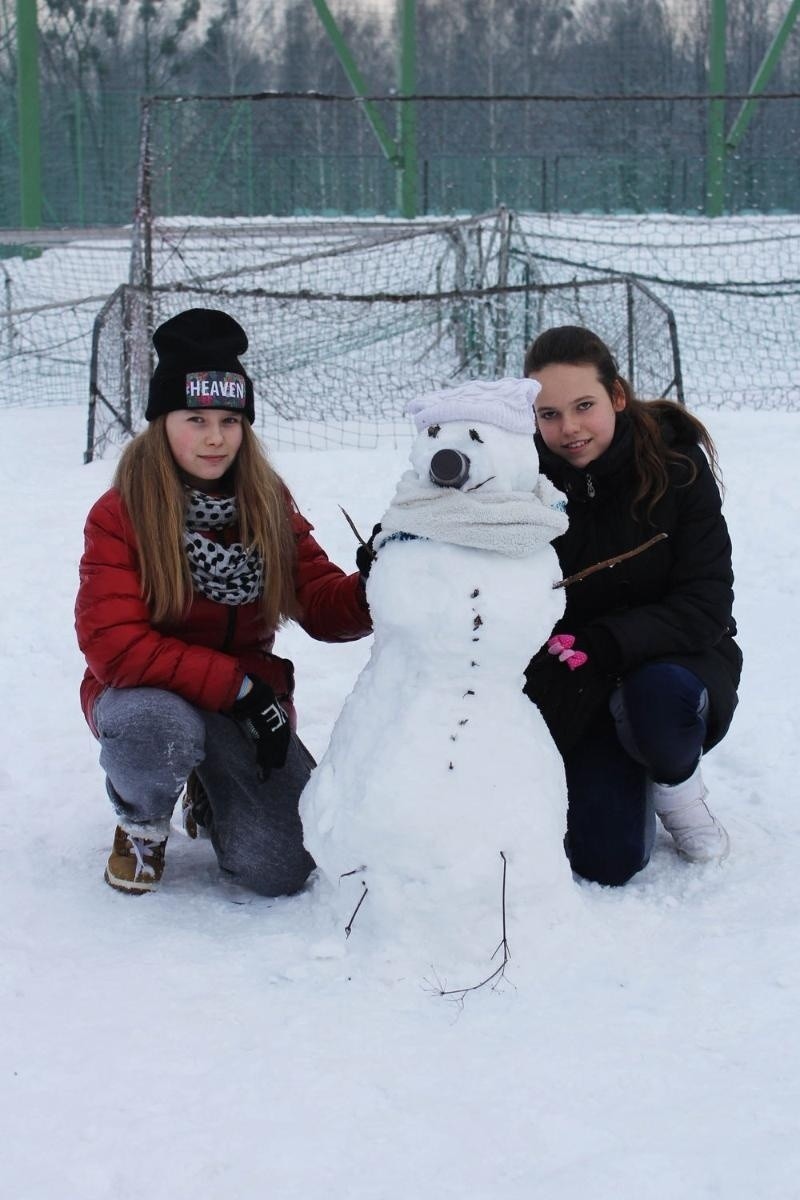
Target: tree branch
x,y
496,975
609,562
351,523
348,929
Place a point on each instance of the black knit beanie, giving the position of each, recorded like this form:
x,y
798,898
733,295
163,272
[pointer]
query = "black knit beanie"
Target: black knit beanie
x,y
198,365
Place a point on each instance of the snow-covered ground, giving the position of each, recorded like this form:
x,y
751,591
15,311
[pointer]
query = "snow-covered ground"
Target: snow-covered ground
x,y
203,1044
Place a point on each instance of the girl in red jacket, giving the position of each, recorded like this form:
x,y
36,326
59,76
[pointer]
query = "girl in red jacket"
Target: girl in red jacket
x,y
192,560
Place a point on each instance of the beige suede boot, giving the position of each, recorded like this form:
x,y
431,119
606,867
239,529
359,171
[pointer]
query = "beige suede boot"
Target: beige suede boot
x,y
135,864
195,809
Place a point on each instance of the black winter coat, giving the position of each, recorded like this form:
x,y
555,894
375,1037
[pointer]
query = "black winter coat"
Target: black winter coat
x,y
672,602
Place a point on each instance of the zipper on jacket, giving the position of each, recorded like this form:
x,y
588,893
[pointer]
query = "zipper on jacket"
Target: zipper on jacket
x,y
590,489
231,629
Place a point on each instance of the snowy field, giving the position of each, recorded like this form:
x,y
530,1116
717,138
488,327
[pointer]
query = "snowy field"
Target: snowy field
x,y
207,1044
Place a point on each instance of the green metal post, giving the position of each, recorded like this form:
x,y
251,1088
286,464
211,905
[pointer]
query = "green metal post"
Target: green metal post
x,y
79,157
30,172
762,77
715,145
387,142
166,117
407,117
251,207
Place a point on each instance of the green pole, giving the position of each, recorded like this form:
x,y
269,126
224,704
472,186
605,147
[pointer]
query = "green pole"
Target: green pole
x,y
387,142
79,156
250,176
30,172
715,144
407,117
762,77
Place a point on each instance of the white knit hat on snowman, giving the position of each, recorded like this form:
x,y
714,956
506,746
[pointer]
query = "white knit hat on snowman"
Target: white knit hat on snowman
x,y
511,522
506,403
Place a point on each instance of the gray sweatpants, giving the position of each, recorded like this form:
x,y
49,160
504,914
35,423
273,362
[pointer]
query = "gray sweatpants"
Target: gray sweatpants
x,y
150,741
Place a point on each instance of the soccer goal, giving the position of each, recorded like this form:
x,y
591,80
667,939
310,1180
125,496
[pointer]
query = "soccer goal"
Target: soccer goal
x,y
347,323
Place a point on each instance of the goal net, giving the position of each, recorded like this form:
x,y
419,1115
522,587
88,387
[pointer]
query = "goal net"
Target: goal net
x,y
347,324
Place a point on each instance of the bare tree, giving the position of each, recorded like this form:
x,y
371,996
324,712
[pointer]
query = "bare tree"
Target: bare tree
x,y
239,51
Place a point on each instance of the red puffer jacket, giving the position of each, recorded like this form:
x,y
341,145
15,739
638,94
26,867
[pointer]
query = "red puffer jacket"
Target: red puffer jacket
x,y
206,658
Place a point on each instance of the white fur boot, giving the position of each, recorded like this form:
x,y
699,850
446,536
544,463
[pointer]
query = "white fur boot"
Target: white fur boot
x,y
682,810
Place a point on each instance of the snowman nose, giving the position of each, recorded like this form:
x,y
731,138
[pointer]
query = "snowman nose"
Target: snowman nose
x,y
449,468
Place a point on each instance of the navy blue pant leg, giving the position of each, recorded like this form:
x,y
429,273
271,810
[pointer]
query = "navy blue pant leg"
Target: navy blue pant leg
x,y
661,714
610,830
655,727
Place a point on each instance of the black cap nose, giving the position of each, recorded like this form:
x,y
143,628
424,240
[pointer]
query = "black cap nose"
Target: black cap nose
x,y
449,468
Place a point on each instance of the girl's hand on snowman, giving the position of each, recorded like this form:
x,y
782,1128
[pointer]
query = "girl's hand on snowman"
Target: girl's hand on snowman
x,y
261,717
366,554
562,645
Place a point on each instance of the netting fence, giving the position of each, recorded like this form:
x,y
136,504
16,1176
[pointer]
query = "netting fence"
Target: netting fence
x,y
612,153
290,154
328,301
343,337
733,286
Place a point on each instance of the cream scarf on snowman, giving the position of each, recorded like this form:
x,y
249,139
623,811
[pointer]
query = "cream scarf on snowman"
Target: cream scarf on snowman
x,y
512,523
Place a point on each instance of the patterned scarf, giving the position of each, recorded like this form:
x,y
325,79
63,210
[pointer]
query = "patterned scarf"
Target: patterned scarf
x,y
227,574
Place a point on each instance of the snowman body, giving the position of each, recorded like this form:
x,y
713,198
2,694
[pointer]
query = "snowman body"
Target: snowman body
x,y
439,808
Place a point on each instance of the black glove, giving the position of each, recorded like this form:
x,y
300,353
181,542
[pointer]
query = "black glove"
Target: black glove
x,y
365,555
568,700
262,718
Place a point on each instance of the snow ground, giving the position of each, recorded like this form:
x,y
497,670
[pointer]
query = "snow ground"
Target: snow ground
x,y
204,1043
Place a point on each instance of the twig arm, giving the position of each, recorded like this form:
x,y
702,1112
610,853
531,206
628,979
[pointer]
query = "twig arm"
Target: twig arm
x,y
500,971
609,562
351,523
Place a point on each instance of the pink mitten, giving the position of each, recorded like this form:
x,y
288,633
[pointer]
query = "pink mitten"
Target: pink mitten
x,y
561,644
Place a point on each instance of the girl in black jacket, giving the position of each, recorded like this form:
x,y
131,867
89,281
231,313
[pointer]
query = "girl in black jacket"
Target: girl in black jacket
x,y
640,675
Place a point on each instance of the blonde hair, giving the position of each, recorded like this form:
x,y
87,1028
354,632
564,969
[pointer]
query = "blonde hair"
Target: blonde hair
x,y
148,480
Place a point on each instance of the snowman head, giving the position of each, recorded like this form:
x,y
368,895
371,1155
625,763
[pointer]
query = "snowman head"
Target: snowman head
x,y
478,435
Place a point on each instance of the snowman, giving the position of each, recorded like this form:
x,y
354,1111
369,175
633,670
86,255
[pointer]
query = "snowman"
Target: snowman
x,y
438,811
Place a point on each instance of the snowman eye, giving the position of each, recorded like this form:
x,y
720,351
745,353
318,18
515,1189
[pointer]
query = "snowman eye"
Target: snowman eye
x,y
433,430
476,437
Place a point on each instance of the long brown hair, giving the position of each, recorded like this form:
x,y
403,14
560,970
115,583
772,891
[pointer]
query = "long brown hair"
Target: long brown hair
x,y
577,346
148,480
